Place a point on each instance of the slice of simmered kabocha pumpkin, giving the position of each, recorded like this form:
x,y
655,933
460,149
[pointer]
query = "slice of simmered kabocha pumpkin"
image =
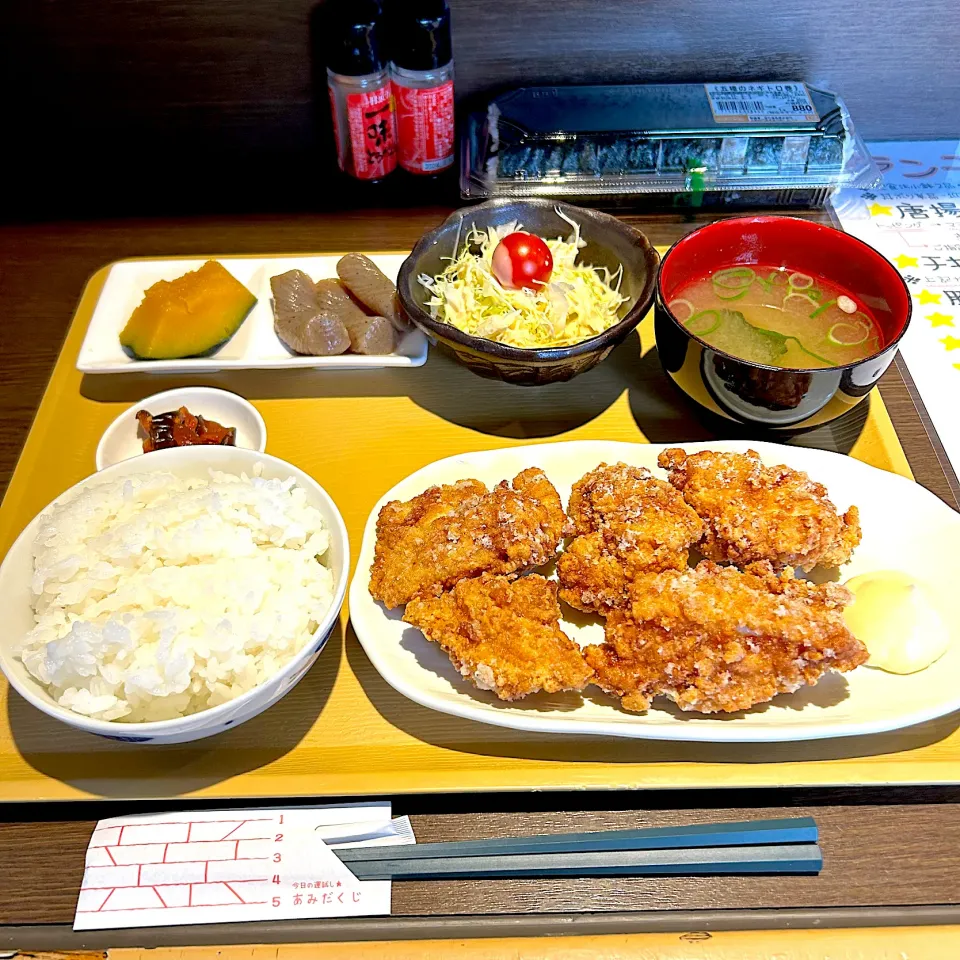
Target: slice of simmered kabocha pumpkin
x,y
189,316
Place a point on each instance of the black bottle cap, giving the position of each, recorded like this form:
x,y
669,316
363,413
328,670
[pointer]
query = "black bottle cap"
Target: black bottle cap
x,y
354,41
421,35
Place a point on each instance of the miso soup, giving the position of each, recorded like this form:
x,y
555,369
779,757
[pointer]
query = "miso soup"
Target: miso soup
x,y
778,316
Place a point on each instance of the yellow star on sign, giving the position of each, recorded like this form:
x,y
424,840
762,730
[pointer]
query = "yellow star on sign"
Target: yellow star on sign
x,y
941,320
878,210
956,366
951,343
925,296
902,260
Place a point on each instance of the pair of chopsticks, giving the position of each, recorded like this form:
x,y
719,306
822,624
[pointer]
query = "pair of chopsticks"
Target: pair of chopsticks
x,y
786,845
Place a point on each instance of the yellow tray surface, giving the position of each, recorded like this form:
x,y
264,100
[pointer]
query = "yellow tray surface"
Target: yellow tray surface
x,y
875,943
343,730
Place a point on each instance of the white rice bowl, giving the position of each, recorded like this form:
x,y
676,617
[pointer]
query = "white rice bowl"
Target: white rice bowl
x,y
158,595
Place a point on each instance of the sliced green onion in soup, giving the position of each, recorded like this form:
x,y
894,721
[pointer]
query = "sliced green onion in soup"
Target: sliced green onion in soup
x,y
734,278
704,322
800,281
799,301
735,295
823,308
850,333
674,306
773,279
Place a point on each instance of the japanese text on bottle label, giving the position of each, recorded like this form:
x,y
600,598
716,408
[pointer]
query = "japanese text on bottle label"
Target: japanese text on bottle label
x,y
425,122
373,133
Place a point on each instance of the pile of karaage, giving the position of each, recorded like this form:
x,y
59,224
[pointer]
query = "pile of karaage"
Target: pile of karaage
x,y
449,554
710,638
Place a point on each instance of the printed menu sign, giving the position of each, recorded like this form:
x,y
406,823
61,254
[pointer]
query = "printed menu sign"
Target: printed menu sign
x,y
913,219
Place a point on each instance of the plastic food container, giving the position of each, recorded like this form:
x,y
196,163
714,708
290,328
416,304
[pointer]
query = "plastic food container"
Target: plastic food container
x,y
713,144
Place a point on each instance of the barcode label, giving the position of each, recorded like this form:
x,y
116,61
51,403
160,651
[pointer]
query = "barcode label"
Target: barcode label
x,y
740,106
760,102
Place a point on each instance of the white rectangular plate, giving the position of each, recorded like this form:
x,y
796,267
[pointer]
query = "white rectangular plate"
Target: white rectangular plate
x,y
253,346
905,527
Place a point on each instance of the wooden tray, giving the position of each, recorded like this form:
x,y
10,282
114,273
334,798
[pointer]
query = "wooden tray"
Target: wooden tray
x,y
343,731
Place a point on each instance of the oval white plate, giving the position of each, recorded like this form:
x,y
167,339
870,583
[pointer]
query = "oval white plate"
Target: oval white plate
x,y
905,527
121,440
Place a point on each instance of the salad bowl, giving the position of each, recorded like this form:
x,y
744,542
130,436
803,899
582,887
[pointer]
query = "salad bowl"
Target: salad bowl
x,y
610,243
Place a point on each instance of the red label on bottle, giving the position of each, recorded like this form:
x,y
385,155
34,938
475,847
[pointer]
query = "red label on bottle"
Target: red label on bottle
x,y
425,125
372,126
337,139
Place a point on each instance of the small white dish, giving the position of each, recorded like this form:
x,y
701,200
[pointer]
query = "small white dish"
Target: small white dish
x,y
121,440
16,600
255,346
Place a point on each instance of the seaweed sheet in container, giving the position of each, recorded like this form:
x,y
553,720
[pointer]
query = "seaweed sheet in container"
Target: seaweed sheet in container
x,y
714,144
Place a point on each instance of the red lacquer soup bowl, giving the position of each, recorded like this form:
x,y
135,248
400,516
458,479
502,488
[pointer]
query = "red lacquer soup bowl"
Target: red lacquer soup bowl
x,y
756,393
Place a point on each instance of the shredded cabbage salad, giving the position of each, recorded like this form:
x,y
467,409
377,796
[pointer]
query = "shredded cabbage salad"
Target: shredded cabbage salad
x,y
578,302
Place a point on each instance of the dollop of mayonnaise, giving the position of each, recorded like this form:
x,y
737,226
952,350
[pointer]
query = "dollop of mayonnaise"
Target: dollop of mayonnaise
x,y
896,618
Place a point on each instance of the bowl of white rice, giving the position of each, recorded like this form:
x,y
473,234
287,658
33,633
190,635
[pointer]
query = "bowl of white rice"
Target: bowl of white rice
x,y
170,597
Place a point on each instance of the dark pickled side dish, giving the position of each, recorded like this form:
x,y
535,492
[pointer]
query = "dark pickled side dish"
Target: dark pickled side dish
x,y
181,428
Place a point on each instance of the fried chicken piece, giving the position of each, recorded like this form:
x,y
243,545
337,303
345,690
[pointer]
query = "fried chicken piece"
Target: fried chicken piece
x,y
504,635
753,512
612,497
595,576
713,639
628,522
425,545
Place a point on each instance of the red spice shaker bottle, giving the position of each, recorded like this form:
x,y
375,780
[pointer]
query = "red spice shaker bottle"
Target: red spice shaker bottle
x,y
361,100
421,70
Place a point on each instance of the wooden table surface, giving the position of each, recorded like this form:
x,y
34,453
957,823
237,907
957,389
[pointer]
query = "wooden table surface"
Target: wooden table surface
x,y
891,856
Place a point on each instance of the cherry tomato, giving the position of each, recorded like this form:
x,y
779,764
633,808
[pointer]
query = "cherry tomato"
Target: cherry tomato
x,y
522,261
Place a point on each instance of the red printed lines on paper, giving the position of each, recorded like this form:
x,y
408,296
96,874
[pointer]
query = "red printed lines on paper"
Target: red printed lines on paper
x,y
177,864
